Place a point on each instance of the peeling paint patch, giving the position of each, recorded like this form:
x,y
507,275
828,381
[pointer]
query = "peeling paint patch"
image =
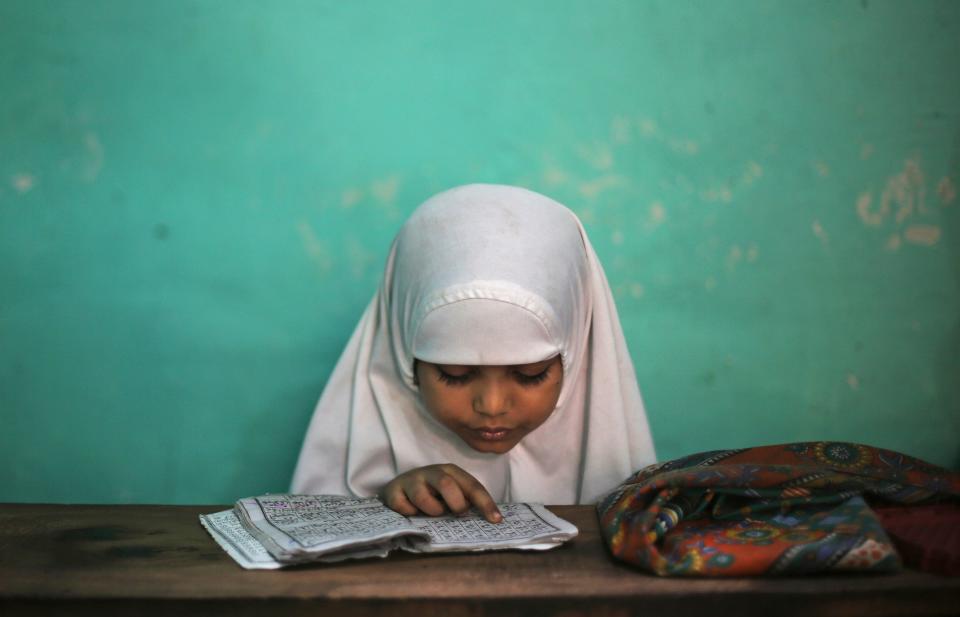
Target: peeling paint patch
x,y
751,173
636,290
656,215
386,190
351,197
820,232
946,191
868,215
893,242
593,188
753,253
905,189
617,237
554,176
904,211
23,182
314,247
853,381
599,155
822,169
648,128
710,284
866,151
734,256
927,235
684,146
721,193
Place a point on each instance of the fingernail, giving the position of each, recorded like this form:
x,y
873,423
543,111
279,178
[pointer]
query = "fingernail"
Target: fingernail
x,y
497,517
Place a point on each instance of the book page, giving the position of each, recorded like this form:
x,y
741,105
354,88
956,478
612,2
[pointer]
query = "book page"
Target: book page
x,y
227,530
297,527
229,533
524,526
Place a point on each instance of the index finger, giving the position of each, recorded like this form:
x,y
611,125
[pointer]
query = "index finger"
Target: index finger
x,y
476,493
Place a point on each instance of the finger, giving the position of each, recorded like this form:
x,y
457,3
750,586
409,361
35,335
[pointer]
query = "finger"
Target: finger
x,y
398,502
451,493
476,493
421,496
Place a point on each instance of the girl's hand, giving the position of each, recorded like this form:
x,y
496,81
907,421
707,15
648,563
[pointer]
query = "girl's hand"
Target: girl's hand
x,y
427,489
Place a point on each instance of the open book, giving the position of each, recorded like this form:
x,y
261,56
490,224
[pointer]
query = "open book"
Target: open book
x,y
273,531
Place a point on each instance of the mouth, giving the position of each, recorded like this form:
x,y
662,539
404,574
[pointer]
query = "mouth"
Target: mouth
x,y
497,433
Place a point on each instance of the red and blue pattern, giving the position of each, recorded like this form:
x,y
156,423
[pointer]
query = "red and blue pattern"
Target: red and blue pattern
x,y
785,509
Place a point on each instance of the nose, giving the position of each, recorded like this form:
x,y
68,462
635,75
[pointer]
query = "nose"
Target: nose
x,y
491,399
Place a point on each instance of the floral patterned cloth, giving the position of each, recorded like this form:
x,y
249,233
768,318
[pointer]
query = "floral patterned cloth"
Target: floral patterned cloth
x,y
785,509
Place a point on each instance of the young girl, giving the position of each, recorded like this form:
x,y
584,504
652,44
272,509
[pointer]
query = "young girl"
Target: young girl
x,y
489,367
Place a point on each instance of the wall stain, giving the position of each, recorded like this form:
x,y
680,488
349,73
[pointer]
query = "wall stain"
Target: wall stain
x,y
351,197
893,242
904,196
385,190
751,173
314,247
599,155
94,160
946,191
820,232
656,215
23,182
593,188
734,256
927,235
906,189
554,176
866,214
721,193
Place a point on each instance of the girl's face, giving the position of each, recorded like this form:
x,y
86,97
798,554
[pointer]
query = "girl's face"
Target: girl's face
x,y
491,408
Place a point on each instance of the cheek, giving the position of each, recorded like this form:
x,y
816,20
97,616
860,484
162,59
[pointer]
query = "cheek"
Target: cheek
x,y
442,403
540,404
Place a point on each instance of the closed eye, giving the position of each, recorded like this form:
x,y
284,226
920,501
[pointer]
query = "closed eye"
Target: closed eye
x,y
453,380
532,380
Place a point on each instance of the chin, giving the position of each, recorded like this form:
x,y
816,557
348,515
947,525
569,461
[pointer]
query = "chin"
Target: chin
x,y
494,447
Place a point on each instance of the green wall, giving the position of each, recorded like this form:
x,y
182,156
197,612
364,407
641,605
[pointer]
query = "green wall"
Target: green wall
x,y
196,199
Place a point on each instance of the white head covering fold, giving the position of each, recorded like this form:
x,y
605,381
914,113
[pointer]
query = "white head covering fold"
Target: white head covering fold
x,y
483,275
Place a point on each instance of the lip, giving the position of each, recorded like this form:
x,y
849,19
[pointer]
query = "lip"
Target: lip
x,y
493,433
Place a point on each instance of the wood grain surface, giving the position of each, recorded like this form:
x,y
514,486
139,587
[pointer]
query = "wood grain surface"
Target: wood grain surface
x,y
145,560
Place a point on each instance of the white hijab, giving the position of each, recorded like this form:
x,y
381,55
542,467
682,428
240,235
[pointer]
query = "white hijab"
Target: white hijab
x,y
485,275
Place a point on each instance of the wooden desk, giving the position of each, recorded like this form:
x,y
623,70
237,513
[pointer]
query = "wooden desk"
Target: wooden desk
x,y
146,560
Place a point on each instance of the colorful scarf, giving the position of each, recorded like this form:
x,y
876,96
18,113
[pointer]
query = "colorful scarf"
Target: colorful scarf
x,y
785,509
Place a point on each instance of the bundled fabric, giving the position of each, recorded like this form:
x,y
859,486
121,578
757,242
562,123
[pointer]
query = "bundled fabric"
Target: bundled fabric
x,y
927,536
784,509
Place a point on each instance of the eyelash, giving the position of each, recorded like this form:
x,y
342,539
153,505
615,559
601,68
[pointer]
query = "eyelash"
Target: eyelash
x,y
523,380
